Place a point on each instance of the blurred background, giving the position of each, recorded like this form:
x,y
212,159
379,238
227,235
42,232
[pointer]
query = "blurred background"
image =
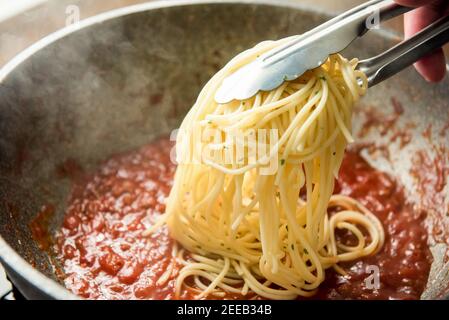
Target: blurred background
x,y
22,22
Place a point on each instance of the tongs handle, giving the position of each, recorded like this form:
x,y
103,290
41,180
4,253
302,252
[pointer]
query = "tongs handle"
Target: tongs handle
x,y
405,53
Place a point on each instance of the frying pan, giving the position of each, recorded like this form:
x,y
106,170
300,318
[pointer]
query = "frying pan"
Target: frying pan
x,y
116,81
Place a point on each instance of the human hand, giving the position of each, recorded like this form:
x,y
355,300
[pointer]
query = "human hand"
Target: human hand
x,y
433,66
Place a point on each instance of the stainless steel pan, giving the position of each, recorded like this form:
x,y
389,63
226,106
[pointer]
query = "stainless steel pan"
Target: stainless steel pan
x,y
117,80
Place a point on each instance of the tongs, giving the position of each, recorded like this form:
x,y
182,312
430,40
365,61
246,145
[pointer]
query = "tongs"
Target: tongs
x,y
311,49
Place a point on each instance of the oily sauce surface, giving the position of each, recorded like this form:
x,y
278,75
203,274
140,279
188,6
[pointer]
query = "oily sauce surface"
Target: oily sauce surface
x,y
104,256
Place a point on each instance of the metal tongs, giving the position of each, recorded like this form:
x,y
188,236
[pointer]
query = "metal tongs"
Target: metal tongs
x,y
311,49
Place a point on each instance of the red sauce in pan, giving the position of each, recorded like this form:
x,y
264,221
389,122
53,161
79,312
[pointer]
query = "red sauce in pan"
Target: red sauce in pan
x,y
104,256
404,261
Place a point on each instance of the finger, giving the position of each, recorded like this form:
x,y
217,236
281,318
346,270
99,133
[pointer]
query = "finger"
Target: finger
x,y
414,3
432,67
420,18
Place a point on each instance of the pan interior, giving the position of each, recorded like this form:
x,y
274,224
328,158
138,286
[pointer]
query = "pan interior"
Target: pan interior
x,y
114,86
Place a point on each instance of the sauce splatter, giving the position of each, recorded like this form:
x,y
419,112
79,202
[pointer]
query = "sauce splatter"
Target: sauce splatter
x,y
39,227
431,171
386,124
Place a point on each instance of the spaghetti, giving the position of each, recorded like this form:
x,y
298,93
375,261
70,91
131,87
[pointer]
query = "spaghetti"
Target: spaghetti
x,y
259,223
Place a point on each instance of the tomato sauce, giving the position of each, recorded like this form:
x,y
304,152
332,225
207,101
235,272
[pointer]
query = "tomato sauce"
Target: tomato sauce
x,y
403,264
104,256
